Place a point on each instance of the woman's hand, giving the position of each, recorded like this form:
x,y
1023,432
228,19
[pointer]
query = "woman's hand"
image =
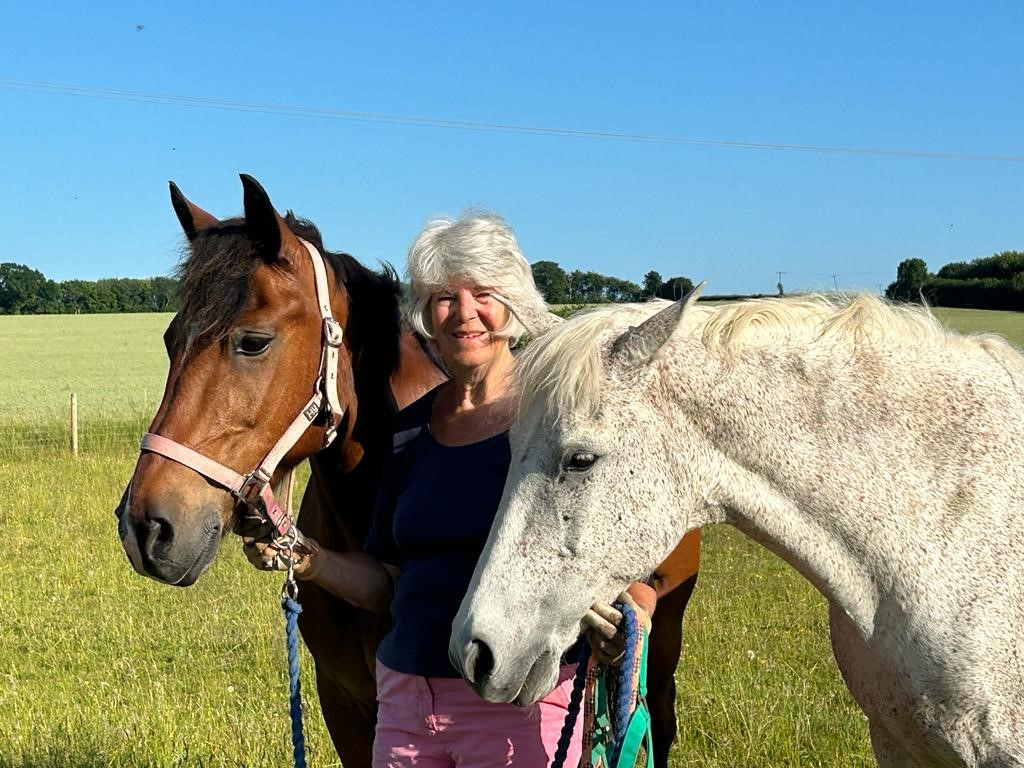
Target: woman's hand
x,y
266,556
605,630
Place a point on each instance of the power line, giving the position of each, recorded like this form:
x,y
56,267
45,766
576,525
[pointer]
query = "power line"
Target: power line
x,y
839,274
116,94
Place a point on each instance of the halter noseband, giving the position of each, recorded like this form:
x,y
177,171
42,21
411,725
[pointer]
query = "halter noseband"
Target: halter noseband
x,y
254,489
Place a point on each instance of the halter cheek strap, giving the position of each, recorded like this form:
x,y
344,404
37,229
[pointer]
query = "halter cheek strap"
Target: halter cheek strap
x,y
254,489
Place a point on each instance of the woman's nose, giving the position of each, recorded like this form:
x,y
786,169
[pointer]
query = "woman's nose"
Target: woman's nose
x,y
467,306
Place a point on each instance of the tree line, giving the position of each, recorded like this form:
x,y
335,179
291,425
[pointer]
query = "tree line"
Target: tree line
x,y
579,287
26,291
989,282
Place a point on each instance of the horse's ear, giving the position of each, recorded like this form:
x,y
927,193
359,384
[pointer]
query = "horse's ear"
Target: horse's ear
x,y
262,223
192,217
639,345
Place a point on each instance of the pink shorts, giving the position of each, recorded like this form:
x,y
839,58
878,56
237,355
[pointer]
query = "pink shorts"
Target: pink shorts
x,y
437,722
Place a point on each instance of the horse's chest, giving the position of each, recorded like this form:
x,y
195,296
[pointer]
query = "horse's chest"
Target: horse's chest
x,y
901,690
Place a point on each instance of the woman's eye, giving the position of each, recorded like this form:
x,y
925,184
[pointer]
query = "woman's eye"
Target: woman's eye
x,y
251,346
483,296
581,461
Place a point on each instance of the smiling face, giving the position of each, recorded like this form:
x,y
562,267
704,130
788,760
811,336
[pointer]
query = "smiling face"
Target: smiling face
x,y
465,319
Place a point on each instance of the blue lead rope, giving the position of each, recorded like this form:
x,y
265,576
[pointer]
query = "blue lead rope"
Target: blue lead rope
x,y
292,609
624,689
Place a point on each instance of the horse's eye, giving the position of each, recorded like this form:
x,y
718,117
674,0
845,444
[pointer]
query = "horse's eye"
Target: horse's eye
x,y
253,346
581,461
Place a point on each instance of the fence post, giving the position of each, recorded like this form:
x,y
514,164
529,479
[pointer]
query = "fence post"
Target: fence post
x,y
74,424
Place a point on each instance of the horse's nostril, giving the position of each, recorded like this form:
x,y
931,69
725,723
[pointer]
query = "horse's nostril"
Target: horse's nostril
x,y
479,662
159,530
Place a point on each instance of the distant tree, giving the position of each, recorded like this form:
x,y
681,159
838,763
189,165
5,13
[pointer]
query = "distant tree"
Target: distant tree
x,y
955,270
585,287
594,286
26,291
911,275
1002,266
675,288
79,296
551,281
1010,264
652,282
165,295
621,290
106,298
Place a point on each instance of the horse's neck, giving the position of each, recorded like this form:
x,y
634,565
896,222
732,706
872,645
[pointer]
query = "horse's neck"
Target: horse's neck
x,y
339,512
417,373
345,495
845,471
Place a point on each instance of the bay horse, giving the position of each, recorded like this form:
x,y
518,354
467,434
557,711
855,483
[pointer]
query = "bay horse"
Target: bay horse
x,y
873,450
245,351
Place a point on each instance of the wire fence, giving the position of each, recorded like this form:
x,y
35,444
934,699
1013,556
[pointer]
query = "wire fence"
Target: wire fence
x,y
84,425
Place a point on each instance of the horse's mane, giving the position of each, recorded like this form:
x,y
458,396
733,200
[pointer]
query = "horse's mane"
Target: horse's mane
x,y
216,272
564,367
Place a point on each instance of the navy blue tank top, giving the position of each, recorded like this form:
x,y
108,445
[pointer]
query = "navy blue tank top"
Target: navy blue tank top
x,y
433,513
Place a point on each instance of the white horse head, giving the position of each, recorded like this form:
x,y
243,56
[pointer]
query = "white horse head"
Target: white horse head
x,y
872,450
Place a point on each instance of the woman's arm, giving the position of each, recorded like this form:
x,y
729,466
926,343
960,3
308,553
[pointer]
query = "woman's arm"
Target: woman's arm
x,y
355,577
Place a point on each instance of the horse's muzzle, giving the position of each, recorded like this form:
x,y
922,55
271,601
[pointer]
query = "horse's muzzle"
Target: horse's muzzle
x,y
159,546
523,681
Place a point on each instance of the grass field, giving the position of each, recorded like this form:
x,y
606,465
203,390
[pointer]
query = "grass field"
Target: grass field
x,y
100,667
115,364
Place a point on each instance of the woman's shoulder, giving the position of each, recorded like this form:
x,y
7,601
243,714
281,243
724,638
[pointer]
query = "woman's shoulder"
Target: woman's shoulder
x,y
413,419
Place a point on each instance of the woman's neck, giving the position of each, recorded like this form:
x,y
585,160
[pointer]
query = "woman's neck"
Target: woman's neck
x,y
474,405
475,387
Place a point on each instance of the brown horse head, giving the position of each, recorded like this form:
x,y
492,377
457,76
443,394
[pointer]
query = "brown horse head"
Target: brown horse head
x,y
245,358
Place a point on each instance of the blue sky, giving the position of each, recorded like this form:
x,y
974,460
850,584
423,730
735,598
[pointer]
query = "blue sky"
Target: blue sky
x,y
84,182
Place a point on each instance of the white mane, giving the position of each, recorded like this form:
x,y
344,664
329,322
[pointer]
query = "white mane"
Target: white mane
x,y
563,367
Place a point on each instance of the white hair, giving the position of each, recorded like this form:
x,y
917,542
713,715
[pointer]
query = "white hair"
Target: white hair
x,y
479,247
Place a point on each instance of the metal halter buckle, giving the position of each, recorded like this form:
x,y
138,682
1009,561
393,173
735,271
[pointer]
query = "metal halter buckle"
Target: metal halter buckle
x,y
330,433
253,486
333,332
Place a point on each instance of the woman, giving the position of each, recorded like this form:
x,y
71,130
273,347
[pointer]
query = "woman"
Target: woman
x,y
474,297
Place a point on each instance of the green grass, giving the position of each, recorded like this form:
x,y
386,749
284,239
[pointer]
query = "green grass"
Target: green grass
x,y
115,364
101,667
111,361
757,683
1008,324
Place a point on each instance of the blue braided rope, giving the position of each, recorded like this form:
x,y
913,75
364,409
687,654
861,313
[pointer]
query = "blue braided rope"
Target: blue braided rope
x,y
292,609
624,688
624,691
573,713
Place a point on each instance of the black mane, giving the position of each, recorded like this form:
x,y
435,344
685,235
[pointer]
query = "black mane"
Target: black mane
x,y
216,272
